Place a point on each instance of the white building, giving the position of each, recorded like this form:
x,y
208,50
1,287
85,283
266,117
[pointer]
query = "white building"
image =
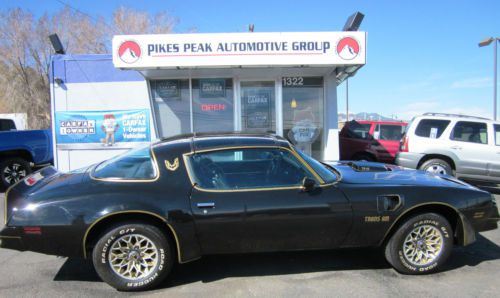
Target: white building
x,y
156,86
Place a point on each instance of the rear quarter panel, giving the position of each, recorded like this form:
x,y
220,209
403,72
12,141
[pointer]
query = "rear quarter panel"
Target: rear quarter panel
x,y
71,209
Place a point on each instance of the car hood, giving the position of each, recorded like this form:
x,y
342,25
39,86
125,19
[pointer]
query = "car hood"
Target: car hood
x,y
363,172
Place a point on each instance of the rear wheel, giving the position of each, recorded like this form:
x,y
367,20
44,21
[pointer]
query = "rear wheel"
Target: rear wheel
x,y
437,166
133,257
13,170
420,245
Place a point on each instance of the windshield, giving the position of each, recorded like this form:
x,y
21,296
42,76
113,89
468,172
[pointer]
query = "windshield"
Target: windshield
x,y
327,174
134,164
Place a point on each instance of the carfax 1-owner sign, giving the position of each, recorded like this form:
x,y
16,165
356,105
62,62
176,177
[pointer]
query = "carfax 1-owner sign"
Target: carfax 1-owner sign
x,y
100,129
239,49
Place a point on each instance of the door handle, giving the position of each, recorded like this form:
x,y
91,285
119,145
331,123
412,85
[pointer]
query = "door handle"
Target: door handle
x,y
205,205
456,147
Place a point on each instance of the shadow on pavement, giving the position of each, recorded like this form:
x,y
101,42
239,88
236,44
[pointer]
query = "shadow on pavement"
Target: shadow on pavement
x,y
480,251
217,267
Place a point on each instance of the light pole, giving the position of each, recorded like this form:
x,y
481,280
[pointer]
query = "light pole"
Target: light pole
x,y
347,99
484,43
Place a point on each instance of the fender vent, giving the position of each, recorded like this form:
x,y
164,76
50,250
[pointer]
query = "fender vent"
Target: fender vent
x,y
389,202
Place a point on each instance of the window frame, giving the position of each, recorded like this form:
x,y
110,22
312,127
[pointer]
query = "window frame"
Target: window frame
x,y
305,165
139,180
452,132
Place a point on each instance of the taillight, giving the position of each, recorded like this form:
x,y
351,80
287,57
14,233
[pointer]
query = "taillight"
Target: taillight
x,y
404,144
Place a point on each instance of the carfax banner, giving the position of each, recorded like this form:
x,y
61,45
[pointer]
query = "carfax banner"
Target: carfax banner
x,y
102,128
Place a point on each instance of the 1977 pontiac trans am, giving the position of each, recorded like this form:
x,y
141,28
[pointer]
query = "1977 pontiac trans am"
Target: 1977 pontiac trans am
x,y
176,200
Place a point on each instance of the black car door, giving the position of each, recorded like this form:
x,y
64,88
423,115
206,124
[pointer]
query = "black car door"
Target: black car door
x,y
252,199
284,216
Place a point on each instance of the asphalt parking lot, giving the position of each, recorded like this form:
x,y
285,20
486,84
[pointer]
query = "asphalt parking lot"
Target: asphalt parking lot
x,y
473,271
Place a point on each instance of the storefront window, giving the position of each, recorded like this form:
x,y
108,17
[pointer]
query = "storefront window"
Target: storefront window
x,y
171,106
303,113
213,105
257,104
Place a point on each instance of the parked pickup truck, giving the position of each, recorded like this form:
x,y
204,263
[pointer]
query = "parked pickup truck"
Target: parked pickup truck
x,y
22,151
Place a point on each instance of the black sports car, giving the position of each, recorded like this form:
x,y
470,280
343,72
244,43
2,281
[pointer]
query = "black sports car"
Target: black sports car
x,y
192,195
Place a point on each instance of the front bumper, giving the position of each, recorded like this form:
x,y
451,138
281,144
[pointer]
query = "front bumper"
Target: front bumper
x,y
485,218
408,159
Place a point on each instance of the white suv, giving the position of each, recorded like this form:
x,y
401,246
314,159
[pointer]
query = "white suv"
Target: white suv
x,y
464,146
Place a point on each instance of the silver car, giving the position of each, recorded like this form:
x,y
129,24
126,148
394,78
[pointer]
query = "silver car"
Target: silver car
x,y
463,146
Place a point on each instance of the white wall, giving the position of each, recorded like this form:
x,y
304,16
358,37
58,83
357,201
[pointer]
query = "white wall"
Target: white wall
x,y
331,130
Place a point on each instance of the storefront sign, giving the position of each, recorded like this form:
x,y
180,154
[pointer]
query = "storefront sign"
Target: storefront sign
x,y
239,49
257,108
210,88
102,128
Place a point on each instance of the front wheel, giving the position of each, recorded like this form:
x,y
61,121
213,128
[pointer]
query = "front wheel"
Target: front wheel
x,y
133,257
420,245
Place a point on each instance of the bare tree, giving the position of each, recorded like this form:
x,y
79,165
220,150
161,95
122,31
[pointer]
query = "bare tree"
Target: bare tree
x,y
130,21
25,50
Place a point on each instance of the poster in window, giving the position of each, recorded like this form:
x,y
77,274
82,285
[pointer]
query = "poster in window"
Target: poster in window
x,y
167,89
257,108
212,88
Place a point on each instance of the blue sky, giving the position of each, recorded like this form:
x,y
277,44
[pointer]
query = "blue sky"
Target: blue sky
x,y
422,55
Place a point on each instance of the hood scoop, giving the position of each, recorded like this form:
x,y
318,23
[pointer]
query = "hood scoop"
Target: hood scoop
x,y
364,166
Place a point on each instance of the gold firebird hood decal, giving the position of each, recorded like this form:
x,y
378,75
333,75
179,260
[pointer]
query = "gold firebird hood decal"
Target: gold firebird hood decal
x,y
172,166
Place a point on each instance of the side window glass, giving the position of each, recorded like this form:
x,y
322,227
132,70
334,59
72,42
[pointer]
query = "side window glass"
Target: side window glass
x,y
135,164
472,132
391,132
247,169
430,128
7,124
497,134
356,130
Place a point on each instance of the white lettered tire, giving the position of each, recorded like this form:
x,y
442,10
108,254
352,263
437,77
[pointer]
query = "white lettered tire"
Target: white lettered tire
x,y
133,256
421,245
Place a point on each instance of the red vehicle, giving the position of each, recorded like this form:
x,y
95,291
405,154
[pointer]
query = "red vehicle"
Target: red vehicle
x,y
371,140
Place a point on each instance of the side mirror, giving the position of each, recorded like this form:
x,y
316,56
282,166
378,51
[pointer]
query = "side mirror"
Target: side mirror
x,y
308,184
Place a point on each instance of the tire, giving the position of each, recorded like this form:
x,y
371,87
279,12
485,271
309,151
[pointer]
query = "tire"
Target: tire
x,y
152,240
12,170
439,231
437,166
363,156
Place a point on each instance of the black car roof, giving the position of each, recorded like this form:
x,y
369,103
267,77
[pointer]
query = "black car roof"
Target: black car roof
x,y
214,140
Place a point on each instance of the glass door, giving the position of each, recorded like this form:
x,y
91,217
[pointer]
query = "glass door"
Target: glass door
x,y
258,106
303,113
